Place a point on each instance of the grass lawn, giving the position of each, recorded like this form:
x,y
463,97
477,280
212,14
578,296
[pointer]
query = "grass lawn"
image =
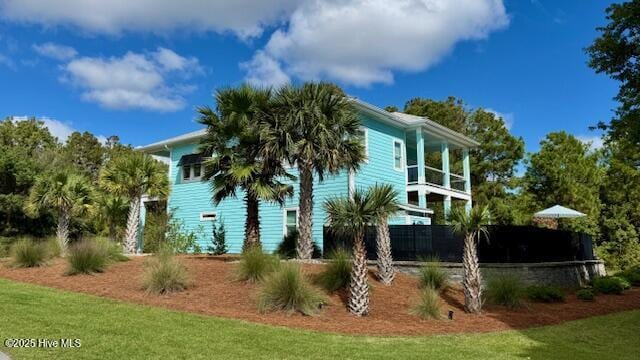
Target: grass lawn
x,y
114,330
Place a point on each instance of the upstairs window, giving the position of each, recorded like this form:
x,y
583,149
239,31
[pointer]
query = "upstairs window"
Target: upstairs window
x,y
290,221
362,134
398,155
191,167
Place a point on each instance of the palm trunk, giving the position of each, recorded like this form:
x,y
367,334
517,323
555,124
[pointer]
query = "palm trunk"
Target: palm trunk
x,y
133,222
359,288
112,231
305,241
62,232
386,272
471,281
252,223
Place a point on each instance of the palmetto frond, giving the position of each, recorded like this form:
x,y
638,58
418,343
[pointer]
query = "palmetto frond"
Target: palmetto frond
x,y
351,215
62,190
384,198
470,222
135,174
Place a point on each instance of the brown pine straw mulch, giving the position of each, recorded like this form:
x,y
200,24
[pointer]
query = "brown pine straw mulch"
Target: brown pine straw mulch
x,y
216,294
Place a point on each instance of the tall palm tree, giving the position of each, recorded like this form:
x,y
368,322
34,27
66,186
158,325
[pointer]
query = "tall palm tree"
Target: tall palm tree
x,y
133,175
473,225
67,193
385,204
351,216
320,132
235,157
112,210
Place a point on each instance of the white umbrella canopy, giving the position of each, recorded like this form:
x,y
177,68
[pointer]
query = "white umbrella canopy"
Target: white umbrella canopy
x,y
558,211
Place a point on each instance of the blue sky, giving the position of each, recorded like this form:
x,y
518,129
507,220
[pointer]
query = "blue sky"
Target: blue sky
x,y
139,71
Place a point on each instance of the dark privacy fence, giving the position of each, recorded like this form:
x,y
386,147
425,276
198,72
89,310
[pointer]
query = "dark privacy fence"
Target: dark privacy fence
x,y
506,244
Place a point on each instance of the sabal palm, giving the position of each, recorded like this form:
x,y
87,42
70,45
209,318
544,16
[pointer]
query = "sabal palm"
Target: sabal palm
x,y
112,210
133,175
320,135
385,199
473,225
236,160
68,193
351,216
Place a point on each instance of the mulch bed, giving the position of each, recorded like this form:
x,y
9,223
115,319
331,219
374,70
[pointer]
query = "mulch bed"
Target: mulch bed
x,y
216,294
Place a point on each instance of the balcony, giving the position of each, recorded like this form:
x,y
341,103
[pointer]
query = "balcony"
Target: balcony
x,y
435,177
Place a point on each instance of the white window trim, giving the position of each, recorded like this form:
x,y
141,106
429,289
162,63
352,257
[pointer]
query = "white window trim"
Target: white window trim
x,y
365,131
191,178
203,216
402,154
284,219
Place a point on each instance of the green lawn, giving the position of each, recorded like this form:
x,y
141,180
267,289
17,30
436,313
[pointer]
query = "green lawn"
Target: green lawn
x,y
115,330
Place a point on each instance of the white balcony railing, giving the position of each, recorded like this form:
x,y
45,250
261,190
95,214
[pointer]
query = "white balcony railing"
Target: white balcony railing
x,y
436,177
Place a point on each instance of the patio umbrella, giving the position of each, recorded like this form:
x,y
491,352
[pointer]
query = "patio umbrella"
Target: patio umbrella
x,y
557,211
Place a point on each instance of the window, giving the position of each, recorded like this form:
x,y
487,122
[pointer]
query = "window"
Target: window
x,y
191,167
398,156
186,172
290,221
208,216
362,133
196,170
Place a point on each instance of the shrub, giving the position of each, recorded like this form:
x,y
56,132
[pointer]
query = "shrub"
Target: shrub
x,y
53,247
219,240
337,272
610,285
286,289
164,273
586,294
431,275
632,275
87,257
505,290
545,293
429,305
287,248
254,265
27,253
113,249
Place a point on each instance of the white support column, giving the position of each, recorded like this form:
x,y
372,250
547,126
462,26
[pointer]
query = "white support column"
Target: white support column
x,y
447,208
352,183
143,215
446,176
422,198
466,173
420,156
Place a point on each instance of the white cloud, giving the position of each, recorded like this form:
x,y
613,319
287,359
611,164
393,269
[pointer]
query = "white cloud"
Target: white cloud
x,y
508,118
361,42
246,18
7,61
595,142
55,51
134,81
262,70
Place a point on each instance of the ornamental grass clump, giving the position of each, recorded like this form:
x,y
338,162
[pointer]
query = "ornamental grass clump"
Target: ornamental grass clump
x,y
337,272
287,289
506,291
164,274
87,257
432,276
428,306
27,253
255,265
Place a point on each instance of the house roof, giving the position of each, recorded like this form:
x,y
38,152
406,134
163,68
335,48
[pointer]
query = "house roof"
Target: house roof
x,y
398,119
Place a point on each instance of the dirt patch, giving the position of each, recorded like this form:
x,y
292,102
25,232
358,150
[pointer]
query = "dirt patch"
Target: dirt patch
x,y
216,294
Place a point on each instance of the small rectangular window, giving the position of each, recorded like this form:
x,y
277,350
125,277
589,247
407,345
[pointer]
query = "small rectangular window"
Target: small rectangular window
x,y
197,168
362,134
186,172
398,158
208,216
291,221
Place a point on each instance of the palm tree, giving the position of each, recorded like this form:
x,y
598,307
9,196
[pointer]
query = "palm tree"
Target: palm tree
x,y
67,193
320,129
385,204
236,160
133,175
112,211
351,216
473,225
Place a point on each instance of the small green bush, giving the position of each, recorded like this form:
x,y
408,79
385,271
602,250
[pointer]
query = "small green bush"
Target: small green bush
x,y
429,305
337,272
586,294
610,285
286,289
254,265
432,276
287,248
164,273
545,294
632,275
28,253
218,240
87,257
506,291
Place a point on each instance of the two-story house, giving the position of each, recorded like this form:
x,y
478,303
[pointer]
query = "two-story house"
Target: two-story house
x,y
427,163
